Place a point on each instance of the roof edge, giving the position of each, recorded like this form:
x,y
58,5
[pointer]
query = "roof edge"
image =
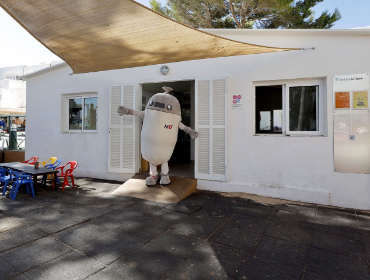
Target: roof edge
x,y
47,69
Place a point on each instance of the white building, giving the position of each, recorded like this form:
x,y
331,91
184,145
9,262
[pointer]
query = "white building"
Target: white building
x,y
255,135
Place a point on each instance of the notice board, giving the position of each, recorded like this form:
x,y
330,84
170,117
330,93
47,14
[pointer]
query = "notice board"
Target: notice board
x,y
351,123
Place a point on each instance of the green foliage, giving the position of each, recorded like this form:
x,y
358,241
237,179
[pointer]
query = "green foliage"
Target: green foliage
x,y
246,13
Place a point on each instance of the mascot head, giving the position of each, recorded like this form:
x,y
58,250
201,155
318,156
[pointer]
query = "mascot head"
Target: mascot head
x,y
164,102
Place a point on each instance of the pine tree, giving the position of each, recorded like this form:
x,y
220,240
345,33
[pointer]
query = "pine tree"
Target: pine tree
x,y
247,13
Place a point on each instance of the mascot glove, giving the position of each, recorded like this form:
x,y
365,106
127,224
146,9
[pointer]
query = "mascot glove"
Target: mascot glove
x,y
193,133
122,110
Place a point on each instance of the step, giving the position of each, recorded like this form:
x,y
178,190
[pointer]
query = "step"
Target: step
x,y
179,189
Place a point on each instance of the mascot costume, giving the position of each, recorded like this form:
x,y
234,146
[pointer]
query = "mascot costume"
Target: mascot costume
x,y
162,119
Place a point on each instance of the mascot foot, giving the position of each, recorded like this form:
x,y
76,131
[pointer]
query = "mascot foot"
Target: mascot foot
x,y
151,180
165,180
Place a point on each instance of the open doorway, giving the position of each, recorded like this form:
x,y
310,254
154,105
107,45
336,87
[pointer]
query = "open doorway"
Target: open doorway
x,y
181,163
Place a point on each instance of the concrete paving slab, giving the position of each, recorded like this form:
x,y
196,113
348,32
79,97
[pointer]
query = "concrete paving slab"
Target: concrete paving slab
x,y
185,207
300,233
107,274
283,251
236,237
18,236
33,254
249,223
350,231
145,263
314,276
337,215
336,265
108,248
176,244
6,271
338,244
143,230
217,258
80,234
264,268
7,223
188,271
72,265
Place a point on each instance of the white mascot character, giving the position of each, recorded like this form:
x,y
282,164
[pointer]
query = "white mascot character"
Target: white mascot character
x,y
162,119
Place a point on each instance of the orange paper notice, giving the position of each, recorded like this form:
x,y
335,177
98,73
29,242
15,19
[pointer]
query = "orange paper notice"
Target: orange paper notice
x,y
360,99
342,100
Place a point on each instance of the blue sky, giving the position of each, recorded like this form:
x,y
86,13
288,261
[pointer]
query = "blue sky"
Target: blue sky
x,y
17,47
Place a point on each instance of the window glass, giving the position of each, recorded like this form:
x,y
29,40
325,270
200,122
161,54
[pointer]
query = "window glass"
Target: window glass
x,y
303,108
75,114
90,113
265,120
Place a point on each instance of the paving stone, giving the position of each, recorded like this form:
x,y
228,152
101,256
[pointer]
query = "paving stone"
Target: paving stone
x,y
337,266
236,237
169,217
108,248
176,244
199,197
146,208
17,206
265,212
18,236
308,211
338,244
69,266
314,276
145,263
33,254
364,222
295,232
283,251
117,218
6,271
7,223
248,222
48,220
107,274
336,215
81,234
188,271
350,231
19,277
218,258
185,207
294,217
263,268
86,212
143,230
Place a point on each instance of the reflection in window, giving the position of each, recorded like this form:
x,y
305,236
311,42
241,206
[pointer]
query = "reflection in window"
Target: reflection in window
x,y
303,108
83,113
90,113
75,114
265,120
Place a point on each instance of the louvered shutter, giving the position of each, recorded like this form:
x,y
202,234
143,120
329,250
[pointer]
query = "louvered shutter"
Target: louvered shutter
x,y
211,120
121,130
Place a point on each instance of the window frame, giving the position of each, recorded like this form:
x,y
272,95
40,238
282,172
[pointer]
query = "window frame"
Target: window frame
x,y
321,104
65,112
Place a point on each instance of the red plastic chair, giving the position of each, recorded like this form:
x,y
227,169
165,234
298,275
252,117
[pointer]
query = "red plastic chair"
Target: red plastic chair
x,y
31,161
66,173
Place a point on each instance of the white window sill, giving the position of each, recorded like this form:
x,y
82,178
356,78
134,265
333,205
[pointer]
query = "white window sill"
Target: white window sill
x,y
81,132
285,135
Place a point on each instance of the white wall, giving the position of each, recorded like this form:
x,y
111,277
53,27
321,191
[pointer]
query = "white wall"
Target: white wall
x,y
296,168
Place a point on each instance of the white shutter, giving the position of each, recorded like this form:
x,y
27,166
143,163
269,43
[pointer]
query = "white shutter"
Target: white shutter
x,y
210,122
121,130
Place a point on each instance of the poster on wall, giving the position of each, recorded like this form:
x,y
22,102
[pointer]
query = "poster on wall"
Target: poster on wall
x,y
360,99
351,123
342,100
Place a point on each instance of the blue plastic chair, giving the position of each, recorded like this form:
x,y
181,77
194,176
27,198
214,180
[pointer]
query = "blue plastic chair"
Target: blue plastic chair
x,y
21,179
51,166
6,175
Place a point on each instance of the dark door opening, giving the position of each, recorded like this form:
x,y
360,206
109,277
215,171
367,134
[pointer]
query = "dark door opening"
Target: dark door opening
x,y
181,163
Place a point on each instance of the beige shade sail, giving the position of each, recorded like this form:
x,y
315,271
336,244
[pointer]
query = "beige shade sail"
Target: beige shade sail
x,y
97,35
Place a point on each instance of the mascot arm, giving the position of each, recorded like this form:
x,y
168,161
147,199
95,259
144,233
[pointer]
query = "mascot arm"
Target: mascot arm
x,y
193,133
122,110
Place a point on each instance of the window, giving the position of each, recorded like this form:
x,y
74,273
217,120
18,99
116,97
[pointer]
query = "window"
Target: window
x,y
82,113
291,108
